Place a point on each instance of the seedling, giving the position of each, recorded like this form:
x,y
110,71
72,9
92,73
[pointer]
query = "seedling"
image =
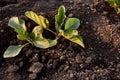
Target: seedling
x,y
115,4
36,36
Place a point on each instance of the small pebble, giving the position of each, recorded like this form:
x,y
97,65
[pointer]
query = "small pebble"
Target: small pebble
x,y
70,15
62,58
28,52
66,68
35,58
32,76
21,64
36,67
12,76
88,60
2,31
12,68
78,59
71,75
50,64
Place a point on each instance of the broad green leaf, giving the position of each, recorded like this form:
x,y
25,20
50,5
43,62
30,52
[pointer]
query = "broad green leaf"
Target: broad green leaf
x,y
37,32
17,24
52,42
45,43
40,20
72,23
60,17
74,38
12,51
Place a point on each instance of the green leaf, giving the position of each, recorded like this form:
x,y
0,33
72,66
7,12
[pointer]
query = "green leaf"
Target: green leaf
x,y
73,37
45,43
21,37
12,51
37,32
60,17
40,20
17,24
117,2
41,42
71,32
52,42
111,1
72,23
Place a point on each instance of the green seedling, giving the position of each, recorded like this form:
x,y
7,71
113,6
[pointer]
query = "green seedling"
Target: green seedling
x,y
36,36
115,4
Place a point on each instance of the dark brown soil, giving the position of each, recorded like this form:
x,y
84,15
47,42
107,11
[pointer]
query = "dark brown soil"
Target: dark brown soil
x,y
100,29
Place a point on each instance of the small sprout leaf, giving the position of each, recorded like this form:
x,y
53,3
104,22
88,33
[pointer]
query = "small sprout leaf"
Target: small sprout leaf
x,y
45,43
72,23
21,37
73,37
35,35
40,20
44,22
37,32
60,17
12,51
18,25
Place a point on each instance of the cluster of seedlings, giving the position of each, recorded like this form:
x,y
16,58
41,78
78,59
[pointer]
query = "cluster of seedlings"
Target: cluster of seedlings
x,y
36,37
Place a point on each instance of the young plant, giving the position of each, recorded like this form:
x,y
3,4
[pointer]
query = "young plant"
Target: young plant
x,y
36,36
115,4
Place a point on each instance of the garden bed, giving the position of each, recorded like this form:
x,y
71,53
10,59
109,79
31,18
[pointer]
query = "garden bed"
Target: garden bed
x,y
100,29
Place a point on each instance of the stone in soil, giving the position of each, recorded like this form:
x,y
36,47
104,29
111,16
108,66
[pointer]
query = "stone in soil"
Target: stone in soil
x,y
35,58
12,76
88,60
12,68
78,58
36,67
32,76
28,52
50,64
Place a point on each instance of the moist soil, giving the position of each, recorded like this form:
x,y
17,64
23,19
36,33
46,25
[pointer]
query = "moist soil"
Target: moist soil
x,y
100,30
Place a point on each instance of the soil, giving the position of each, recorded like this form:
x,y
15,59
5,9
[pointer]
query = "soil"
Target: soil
x,y
100,29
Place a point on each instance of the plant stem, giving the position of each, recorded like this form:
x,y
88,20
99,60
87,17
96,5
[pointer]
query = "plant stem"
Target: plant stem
x,y
58,36
52,31
26,44
29,41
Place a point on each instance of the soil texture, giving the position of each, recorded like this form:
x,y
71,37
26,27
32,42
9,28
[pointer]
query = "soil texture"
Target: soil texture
x,y
100,30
